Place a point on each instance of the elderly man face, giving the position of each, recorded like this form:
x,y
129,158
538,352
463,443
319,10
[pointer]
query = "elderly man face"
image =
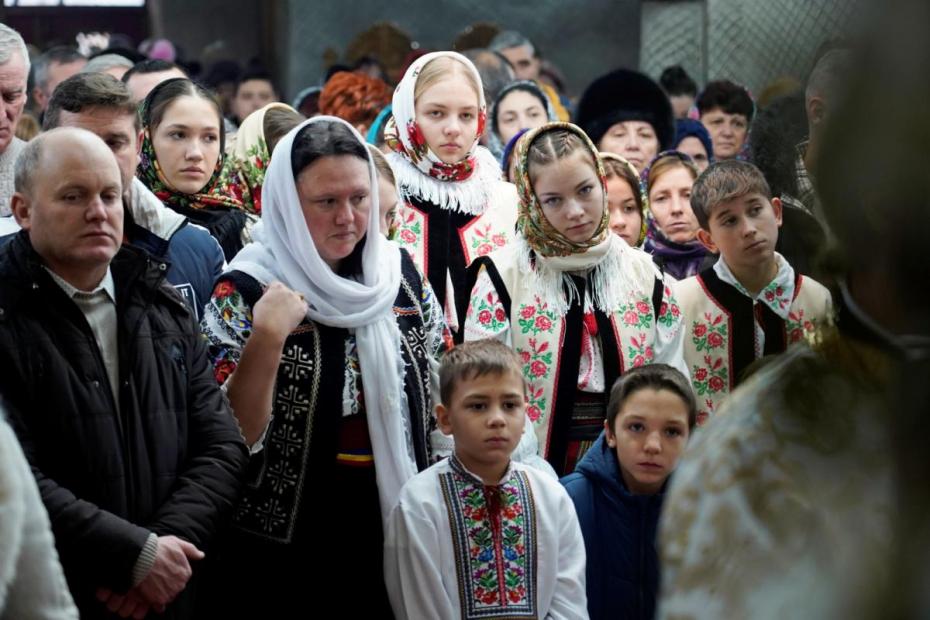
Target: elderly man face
x,y
58,72
72,206
13,76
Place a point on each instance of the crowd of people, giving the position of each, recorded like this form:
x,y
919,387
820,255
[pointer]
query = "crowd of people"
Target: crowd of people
x,y
462,346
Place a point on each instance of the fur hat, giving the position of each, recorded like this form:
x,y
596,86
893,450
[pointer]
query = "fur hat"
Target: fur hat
x,y
625,95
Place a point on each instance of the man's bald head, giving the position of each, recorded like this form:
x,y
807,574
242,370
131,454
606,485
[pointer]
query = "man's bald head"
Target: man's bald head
x,y
31,162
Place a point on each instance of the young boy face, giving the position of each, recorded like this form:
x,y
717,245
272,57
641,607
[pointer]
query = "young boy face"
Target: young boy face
x,y
744,229
649,434
485,416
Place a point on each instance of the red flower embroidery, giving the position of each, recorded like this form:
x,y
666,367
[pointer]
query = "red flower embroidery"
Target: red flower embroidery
x,y
642,307
499,240
700,374
715,384
542,323
796,335
630,318
533,413
499,315
484,317
638,361
714,340
407,236
224,289
527,311
663,308
675,310
525,356
700,330
484,249
222,371
701,418
538,368
417,139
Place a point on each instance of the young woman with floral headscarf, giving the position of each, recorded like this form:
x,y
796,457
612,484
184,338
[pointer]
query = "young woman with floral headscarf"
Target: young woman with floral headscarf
x,y
574,301
183,163
454,205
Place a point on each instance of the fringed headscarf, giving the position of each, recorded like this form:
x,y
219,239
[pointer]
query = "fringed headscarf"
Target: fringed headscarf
x,y
463,186
219,191
637,188
548,258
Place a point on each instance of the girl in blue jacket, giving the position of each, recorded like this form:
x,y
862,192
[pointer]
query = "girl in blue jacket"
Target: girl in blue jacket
x,y
618,487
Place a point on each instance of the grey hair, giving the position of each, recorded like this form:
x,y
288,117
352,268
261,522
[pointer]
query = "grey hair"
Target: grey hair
x,y
11,41
26,165
510,38
61,54
106,61
828,74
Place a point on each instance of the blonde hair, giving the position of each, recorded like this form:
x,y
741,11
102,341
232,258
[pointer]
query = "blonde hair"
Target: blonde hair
x,y
381,163
442,67
666,163
552,146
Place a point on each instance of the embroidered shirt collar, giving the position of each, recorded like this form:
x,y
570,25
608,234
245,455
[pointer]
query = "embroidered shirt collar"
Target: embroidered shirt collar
x,y
777,294
106,285
459,468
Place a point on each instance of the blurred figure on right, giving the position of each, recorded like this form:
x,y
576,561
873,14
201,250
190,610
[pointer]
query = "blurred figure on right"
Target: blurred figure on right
x,y
806,497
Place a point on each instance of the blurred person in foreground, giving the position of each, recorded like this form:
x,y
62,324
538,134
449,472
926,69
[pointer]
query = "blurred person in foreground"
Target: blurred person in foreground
x,y
806,497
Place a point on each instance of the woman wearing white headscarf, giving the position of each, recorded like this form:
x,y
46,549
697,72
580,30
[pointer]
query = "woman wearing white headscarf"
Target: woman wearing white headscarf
x,y
326,337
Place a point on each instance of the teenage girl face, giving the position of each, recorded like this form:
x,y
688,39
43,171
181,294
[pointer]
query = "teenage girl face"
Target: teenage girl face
x,y
570,195
187,143
387,204
447,113
626,220
649,434
670,203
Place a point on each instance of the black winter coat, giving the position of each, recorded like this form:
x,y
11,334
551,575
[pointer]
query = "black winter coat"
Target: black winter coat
x,y
169,460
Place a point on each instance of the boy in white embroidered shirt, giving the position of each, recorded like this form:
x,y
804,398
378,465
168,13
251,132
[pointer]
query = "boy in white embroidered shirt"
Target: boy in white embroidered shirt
x,y
751,303
478,535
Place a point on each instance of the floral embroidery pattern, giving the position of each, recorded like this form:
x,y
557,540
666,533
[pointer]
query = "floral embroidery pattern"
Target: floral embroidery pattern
x,y
797,327
408,229
637,315
774,295
537,366
710,334
669,312
489,312
639,351
711,378
537,318
484,242
493,532
227,304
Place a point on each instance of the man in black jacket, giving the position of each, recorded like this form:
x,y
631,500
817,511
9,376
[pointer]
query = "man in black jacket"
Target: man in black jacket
x,y
134,448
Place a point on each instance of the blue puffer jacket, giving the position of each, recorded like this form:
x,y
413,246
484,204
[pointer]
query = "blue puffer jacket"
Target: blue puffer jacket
x,y
619,531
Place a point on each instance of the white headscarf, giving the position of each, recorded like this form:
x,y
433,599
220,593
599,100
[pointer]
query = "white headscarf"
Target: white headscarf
x,y
284,250
464,186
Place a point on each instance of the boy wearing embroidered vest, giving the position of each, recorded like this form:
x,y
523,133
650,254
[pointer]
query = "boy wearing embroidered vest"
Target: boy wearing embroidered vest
x,y
577,304
478,535
751,303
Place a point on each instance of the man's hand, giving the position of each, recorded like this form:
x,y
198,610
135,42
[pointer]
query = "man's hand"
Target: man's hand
x,y
129,605
170,573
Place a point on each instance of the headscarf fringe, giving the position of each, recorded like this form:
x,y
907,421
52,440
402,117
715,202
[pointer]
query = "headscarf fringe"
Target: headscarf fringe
x,y
470,197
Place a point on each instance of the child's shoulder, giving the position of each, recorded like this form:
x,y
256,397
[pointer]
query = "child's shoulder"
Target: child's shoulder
x,y
543,485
